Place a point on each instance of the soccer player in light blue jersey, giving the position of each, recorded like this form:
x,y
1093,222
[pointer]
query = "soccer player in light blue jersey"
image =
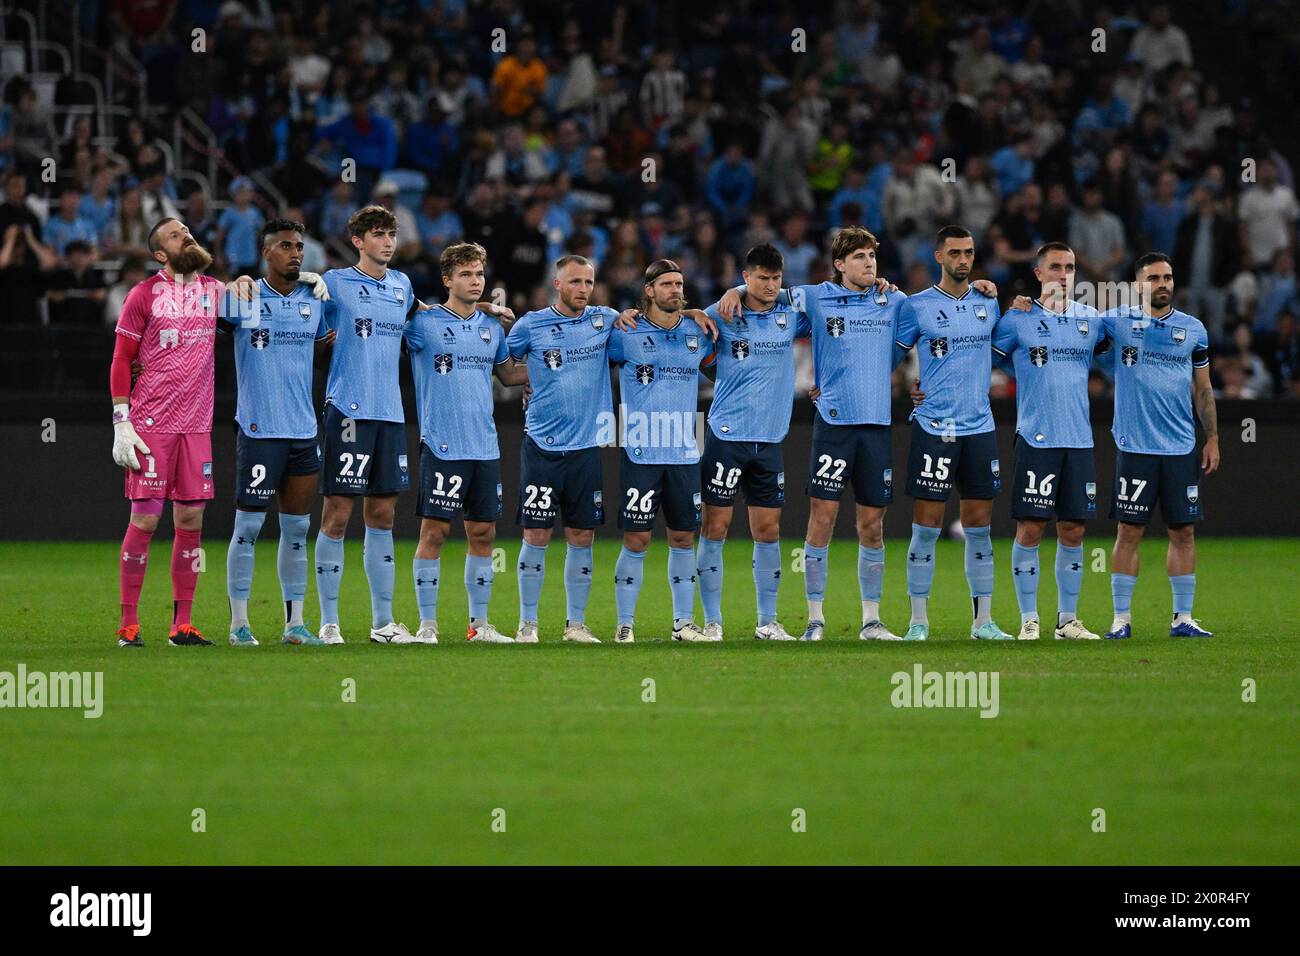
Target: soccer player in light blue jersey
x,y
953,438
456,349
1162,373
1051,343
747,423
569,416
364,438
275,427
659,362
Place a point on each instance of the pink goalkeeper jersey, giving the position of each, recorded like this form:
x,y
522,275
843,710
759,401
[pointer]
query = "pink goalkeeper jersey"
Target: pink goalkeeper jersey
x,y
175,325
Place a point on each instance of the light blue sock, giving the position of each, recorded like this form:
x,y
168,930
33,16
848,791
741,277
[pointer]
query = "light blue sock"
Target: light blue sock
x,y
381,572
478,584
1184,588
291,557
1069,581
871,573
329,576
708,569
426,572
628,570
681,582
814,572
920,560
1121,591
532,572
767,579
239,561
577,583
1024,574
979,572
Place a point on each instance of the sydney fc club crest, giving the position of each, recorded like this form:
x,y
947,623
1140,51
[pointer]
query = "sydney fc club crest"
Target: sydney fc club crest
x,y
1082,326
835,326
938,347
304,311
442,364
552,358
1193,492
363,328
981,313
1180,335
1129,355
485,335
692,343
1090,489
996,467
1038,355
261,338
740,349
645,374
780,320
597,322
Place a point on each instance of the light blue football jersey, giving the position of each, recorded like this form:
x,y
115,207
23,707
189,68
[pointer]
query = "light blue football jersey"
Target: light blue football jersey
x,y
274,350
754,391
853,337
572,403
452,361
956,357
1154,358
369,317
1052,353
659,389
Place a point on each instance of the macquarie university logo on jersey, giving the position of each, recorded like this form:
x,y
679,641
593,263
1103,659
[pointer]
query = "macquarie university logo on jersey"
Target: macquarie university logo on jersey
x,y
939,347
553,358
1038,355
1129,355
260,338
442,363
740,348
835,326
645,374
363,327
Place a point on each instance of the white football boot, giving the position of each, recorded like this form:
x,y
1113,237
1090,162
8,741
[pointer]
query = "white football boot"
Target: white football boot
x,y
773,632
691,633
330,634
485,633
579,634
1028,630
624,635
526,633
427,634
391,633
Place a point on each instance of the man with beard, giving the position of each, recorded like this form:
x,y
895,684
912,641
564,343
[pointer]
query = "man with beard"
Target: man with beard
x,y
167,327
659,364
953,438
1162,371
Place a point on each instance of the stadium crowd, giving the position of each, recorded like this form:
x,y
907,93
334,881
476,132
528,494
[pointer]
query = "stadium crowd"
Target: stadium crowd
x,y
628,133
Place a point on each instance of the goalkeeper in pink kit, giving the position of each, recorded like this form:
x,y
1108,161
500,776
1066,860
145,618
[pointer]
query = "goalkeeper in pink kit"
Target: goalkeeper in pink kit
x,y
162,426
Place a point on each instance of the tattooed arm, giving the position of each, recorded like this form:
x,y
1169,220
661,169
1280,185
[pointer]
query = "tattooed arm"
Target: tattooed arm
x,y
1203,400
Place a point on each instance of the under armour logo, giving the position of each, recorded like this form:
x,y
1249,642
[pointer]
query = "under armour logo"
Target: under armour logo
x,y
1030,571
138,558
925,559
321,569
1076,567
980,555
388,559
297,546
525,567
618,580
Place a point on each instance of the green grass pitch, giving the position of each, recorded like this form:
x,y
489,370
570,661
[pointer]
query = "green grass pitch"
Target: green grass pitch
x,y
739,737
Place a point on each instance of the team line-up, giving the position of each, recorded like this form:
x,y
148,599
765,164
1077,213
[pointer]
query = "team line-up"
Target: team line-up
x,y
861,328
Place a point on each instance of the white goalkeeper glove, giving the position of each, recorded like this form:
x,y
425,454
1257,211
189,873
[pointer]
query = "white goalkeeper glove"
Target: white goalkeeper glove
x,y
318,287
125,440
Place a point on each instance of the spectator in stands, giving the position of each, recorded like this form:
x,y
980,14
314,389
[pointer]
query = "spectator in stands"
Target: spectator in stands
x,y
68,225
98,205
917,202
364,137
1277,292
515,164
784,155
1159,42
1162,216
1013,165
977,202
1097,237
432,143
1257,381
730,185
395,101
977,66
663,91
1206,257
519,79
1268,213
1281,353
24,265
77,290
132,274
388,194
17,209
793,244
129,231
237,229
438,223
